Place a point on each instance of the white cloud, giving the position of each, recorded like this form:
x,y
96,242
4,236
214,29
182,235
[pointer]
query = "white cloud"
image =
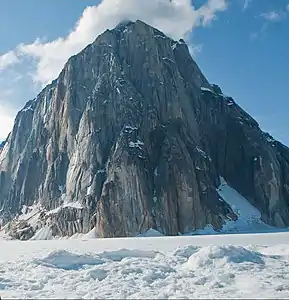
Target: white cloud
x,y
195,49
44,60
270,17
273,16
8,59
246,4
6,121
175,17
15,90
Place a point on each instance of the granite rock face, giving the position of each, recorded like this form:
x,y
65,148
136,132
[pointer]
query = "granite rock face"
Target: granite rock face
x,y
2,144
131,136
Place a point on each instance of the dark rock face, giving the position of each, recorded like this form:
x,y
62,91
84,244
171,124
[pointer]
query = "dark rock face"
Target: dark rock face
x,y
134,134
2,144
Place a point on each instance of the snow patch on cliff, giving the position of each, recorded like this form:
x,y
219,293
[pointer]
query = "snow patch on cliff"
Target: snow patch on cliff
x,y
31,214
43,233
204,89
249,217
27,108
137,144
76,204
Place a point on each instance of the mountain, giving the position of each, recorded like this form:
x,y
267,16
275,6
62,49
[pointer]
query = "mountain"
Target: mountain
x,y
132,136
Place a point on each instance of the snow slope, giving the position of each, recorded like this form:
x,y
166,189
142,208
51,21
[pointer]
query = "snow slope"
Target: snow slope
x,y
220,266
249,217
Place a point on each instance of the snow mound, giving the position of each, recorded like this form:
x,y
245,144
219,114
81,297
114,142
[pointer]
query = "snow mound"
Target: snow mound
x,y
83,236
186,251
62,259
66,260
98,274
91,234
4,236
119,255
43,233
223,255
150,233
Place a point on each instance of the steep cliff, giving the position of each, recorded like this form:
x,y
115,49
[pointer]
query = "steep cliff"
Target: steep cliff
x,y
2,144
131,136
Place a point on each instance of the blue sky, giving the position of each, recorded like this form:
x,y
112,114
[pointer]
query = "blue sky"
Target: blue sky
x,y
242,45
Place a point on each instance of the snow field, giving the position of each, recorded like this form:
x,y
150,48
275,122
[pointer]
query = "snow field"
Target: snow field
x,y
223,266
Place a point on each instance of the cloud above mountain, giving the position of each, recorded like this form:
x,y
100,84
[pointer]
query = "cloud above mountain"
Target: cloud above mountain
x,y
176,18
8,59
162,14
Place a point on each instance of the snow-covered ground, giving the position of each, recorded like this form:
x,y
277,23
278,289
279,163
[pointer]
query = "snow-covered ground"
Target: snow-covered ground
x,y
220,266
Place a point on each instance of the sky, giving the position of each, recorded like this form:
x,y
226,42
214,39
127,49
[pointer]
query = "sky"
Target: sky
x,y
241,45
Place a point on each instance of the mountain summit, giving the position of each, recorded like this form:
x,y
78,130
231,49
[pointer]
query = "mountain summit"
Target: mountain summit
x,y
131,136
